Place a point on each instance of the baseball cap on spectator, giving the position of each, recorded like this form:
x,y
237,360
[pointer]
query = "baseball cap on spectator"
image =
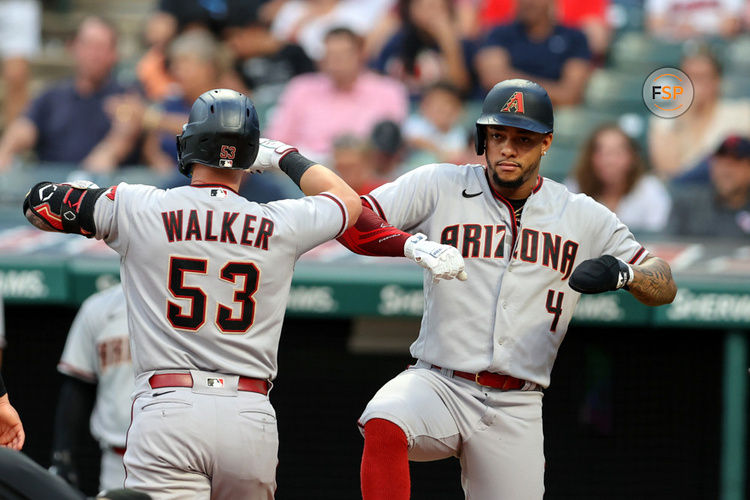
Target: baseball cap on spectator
x,y
735,146
386,137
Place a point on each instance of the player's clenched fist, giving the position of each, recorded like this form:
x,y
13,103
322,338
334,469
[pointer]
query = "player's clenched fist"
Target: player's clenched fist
x,y
443,261
602,274
270,154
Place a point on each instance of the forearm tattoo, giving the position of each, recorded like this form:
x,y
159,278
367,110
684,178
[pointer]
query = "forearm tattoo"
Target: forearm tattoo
x,y
652,282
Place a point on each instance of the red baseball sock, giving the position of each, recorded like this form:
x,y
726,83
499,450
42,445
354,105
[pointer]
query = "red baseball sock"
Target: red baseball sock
x,y
385,462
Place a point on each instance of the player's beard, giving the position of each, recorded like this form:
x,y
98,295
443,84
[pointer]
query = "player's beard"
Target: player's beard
x,y
507,184
524,176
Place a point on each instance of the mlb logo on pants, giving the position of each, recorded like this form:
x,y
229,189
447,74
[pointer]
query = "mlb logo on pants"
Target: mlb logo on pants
x,y
215,382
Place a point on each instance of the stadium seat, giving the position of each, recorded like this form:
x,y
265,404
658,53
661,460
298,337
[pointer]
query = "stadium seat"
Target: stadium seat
x,y
738,55
615,92
574,124
736,84
636,51
559,162
626,16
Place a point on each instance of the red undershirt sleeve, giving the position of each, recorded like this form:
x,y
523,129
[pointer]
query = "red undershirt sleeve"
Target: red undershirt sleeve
x,y
372,235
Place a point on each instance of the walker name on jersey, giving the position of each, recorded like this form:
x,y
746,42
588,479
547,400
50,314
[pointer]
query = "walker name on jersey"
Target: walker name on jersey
x,y
488,242
113,351
223,227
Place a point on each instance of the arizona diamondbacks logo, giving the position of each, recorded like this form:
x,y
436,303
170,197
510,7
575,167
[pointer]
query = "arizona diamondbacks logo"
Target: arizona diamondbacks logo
x,y
514,104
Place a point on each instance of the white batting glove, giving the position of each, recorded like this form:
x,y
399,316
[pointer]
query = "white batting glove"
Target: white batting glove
x,y
443,261
270,154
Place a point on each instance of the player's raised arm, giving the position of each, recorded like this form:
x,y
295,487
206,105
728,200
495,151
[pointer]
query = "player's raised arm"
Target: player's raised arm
x,y
373,236
650,282
311,177
64,208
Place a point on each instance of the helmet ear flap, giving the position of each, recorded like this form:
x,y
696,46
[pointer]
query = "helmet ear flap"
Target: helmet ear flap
x,y
479,138
179,151
180,163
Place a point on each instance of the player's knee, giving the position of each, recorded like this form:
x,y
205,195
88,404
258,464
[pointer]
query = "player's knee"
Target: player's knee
x,y
385,433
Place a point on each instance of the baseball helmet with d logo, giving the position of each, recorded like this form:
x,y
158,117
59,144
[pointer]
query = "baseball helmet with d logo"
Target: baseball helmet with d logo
x,y
515,103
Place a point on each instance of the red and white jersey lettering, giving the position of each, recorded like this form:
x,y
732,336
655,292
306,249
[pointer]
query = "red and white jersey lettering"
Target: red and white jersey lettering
x,y
519,306
97,350
207,272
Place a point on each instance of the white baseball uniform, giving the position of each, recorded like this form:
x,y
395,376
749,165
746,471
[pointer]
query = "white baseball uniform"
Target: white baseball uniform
x,y
97,350
508,318
206,275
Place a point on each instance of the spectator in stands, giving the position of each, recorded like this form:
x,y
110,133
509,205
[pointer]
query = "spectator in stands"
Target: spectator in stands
x,y
466,15
153,75
213,15
428,47
68,122
388,149
723,210
308,21
535,47
265,63
677,146
589,16
198,63
353,161
612,171
343,98
678,20
436,127
20,39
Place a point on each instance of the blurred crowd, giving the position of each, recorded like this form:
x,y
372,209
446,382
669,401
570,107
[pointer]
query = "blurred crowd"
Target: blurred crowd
x,y
375,88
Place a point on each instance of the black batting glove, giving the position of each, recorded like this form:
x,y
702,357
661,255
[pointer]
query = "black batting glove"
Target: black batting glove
x,y
599,275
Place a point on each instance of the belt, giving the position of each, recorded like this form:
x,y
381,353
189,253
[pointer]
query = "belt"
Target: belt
x,y
489,379
246,384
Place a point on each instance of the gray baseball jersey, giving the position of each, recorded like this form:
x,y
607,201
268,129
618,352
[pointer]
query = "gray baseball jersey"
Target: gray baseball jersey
x,y
207,273
97,350
512,314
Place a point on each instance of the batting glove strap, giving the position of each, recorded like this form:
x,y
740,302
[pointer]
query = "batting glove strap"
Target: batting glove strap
x,y
270,154
411,243
443,261
601,274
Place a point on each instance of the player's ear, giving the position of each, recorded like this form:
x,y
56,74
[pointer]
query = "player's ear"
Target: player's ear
x,y
547,141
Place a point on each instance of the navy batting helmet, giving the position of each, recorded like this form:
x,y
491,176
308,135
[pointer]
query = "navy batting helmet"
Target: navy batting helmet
x,y
222,132
515,103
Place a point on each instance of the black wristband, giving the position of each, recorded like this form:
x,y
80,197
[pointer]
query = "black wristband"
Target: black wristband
x,y
3,391
294,165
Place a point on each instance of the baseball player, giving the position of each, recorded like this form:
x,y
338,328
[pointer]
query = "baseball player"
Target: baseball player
x,y
99,373
206,276
486,346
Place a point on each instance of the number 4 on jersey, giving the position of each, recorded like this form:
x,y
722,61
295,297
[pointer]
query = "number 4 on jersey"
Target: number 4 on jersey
x,y
554,307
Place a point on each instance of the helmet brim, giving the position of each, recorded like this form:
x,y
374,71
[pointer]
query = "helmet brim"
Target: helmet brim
x,y
514,120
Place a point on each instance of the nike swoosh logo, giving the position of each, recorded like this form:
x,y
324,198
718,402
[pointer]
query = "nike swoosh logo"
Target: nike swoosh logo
x,y
156,394
467,195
